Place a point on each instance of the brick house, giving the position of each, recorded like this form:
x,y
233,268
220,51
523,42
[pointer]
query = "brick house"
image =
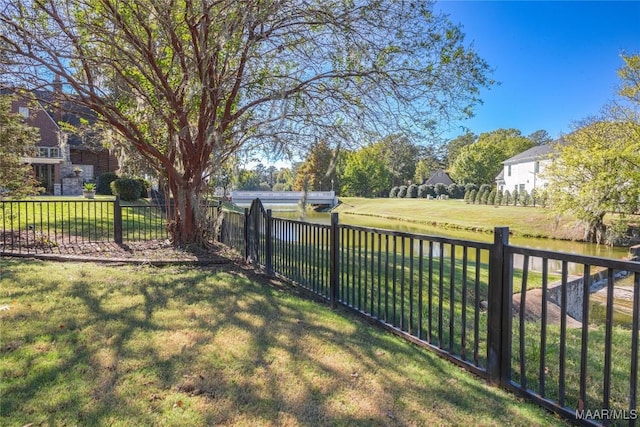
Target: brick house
x,y
64,160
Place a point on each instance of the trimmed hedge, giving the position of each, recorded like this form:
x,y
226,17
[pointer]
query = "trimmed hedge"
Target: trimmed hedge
x,y
103,185
129,189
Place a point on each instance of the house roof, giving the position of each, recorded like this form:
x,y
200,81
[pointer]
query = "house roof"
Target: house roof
x,y
536,153
439,177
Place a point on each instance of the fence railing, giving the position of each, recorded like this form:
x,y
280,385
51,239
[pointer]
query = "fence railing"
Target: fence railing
x,y
560,329
42,226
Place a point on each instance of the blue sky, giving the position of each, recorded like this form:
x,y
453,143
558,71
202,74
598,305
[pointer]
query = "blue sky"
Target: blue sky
x,y
556,61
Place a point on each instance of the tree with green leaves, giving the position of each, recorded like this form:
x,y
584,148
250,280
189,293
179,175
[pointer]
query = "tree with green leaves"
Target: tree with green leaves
x,y
189,83
17,141
365,174
481,161
597,169
319,169
454,146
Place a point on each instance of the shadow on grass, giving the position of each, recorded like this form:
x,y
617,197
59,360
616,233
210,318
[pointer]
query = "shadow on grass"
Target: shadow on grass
x,y
94,345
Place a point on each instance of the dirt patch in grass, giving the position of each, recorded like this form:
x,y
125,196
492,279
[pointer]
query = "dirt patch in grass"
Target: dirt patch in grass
x,y
156,252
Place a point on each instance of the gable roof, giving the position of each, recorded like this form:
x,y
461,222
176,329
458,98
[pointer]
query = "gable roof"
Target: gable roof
x,y
539,152
439,177
536,153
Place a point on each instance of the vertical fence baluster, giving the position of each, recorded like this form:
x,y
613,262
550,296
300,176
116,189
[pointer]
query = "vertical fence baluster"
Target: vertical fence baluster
x,y
543,328
563,335
440,295
452,296
586,285
463,332
633,378
523,305
608,339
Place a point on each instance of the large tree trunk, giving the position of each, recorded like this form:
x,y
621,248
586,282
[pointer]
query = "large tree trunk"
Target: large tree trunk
x,y
187,221
595,230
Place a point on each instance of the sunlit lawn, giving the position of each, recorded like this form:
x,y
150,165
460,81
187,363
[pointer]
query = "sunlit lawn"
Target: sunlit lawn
x,y
83,344
522,221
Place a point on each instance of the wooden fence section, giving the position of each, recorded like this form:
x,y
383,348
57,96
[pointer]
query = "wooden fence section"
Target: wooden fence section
x,y
483,306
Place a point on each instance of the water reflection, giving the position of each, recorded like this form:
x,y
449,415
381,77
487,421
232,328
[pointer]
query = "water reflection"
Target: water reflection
x,y
389,224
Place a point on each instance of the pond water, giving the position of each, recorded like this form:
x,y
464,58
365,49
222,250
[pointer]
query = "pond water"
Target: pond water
x,y
389,224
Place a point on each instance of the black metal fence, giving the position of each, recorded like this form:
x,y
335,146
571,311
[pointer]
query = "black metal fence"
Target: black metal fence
x,y
560,329
43,226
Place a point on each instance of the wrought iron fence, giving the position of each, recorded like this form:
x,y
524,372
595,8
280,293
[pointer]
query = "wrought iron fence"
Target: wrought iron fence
x,y
41,226
560,329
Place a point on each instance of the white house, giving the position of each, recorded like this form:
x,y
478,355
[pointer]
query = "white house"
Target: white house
x,y
523,171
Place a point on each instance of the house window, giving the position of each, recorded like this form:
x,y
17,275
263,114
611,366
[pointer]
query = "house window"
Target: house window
x,y
521,188
48,152
509,170
536,167
24,112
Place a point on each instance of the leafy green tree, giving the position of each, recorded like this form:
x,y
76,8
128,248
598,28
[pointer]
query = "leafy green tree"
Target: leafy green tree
x,y
454,146
187,84
318,169
17,141
247,180
597,171
481,161
540,137
598,168
400,157
365,174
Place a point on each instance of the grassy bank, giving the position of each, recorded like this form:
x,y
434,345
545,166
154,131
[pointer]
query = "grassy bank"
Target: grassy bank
x,y
456,214
83,344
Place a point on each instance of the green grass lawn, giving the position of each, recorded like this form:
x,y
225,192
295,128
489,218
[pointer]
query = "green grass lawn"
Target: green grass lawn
x,y
84,344
522,221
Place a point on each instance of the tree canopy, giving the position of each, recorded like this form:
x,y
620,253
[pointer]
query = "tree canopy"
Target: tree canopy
x,y
187,84
481,161
598,168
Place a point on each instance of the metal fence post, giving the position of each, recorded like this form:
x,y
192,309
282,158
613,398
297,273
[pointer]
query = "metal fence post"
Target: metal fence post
x,y
268,244
117,220
334,252
246,234
497,354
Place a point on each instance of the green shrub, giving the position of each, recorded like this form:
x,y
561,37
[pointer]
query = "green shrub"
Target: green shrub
x,y
412,191
146,186
507,198
484,199
515,197
394,192
525,198
402,192
129,189
478,199
456,191
104,183
473,194
491,200
440,189
499,197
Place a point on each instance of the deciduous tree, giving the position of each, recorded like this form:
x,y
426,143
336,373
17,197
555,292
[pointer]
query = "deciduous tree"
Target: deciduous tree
x,y
598,168
188,83
481,161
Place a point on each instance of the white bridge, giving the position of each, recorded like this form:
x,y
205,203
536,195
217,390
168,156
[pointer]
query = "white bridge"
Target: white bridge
x,y
284,197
